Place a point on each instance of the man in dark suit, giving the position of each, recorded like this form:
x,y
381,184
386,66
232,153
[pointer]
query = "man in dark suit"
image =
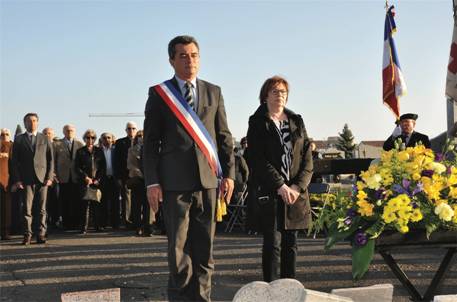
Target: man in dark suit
x,y
408,136
110,193
176,169
32,173
121,173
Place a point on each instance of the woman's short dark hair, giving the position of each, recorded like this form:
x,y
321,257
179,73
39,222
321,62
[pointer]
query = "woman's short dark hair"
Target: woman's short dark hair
x,y
180,40
269,84
30,114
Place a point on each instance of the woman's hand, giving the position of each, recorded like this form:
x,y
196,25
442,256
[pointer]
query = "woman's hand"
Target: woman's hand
x,y
288,194
88,181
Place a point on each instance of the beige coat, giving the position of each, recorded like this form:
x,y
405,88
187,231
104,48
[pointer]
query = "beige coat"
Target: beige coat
x,y
64,161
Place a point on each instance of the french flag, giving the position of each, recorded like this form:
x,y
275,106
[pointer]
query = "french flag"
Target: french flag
x,y
392,78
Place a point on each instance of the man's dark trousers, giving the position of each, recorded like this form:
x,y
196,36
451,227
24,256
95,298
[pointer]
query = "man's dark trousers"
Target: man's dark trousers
x,y
190,224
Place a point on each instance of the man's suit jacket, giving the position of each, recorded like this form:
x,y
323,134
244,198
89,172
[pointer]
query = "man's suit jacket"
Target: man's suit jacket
x,y
64,160
416,137
121,150
170,156
31,165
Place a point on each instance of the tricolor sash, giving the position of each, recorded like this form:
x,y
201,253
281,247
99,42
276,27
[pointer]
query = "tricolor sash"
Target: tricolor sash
x,y
191,122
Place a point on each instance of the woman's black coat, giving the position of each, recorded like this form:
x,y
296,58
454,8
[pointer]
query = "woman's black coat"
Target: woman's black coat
x,y
265,151
83,163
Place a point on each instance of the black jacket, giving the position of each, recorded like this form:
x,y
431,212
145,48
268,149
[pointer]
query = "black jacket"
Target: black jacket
x,y
416,137
265,151
83,163
121,151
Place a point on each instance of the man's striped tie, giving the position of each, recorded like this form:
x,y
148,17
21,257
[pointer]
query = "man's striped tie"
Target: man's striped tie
x,y
188,95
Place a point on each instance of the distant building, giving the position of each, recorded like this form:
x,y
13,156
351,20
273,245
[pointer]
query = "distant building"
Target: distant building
x,y
369,149
328,149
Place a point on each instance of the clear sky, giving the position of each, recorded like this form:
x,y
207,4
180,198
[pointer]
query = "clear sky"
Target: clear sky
x,y
66,59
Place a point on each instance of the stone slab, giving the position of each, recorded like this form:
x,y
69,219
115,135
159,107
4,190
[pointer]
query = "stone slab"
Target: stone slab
x,y
445,298
316,296
102,295
283,290
378,293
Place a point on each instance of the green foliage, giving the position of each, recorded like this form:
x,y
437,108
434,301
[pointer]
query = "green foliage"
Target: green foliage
x,y
346,142
361,259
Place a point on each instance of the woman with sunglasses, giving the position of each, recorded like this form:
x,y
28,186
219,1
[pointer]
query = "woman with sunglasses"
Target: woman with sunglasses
x,y
90,164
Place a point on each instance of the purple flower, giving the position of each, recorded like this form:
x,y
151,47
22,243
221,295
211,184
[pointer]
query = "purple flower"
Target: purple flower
x,y
379,194
414,205
427,173
399,189
439,157
419,188
406,183
351,213
348,221
360,238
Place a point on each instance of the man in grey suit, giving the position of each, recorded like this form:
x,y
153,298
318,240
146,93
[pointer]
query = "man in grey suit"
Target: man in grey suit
x,y
65,153
177,171
32,173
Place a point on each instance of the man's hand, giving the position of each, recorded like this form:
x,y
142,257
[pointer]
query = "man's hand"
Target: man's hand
x,y
227,189
154,197
48,183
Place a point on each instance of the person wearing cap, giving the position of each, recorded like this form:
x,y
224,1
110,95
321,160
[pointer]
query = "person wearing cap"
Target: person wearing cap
x,y
408,136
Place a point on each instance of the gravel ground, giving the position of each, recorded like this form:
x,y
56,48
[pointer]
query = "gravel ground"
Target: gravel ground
x,y
138,265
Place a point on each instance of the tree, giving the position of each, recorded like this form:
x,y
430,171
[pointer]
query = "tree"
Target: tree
x,y
346,142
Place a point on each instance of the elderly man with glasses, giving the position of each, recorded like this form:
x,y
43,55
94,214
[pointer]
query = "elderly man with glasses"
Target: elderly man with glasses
x,y
67,178
121,173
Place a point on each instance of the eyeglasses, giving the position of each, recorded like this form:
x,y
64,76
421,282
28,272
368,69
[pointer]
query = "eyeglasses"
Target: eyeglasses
x,y
5,134
90,137
106,137
278,92
131,128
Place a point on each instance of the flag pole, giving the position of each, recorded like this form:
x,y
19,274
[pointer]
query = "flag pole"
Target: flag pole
x,y
451,102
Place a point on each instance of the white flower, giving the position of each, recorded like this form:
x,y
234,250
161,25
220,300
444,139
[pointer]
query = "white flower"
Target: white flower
x,y
374,181
436,167
444,211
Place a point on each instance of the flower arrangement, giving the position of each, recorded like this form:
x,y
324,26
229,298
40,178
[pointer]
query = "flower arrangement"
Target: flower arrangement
x,y
410,189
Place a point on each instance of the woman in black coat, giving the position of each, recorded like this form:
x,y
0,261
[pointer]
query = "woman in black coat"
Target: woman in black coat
x,y
281,164
90,165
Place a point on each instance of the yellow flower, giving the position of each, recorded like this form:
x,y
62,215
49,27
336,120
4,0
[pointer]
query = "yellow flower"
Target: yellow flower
x,y
416,176
444,211
361,195
416,215
403,155
453,192
404,229
454,219
365,208
388,216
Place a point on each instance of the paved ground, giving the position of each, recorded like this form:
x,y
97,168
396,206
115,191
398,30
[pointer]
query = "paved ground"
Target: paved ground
x,y
70,262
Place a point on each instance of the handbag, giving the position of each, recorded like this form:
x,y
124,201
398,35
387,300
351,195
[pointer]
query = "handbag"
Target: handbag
x,y
92,193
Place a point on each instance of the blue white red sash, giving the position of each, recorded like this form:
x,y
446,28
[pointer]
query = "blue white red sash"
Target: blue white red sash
x,y
191,122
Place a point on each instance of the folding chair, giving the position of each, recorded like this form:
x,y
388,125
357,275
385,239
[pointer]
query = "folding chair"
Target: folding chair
x,y
237,211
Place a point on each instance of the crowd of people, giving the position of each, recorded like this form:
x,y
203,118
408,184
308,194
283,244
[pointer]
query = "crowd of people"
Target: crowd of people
x,y
44,181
